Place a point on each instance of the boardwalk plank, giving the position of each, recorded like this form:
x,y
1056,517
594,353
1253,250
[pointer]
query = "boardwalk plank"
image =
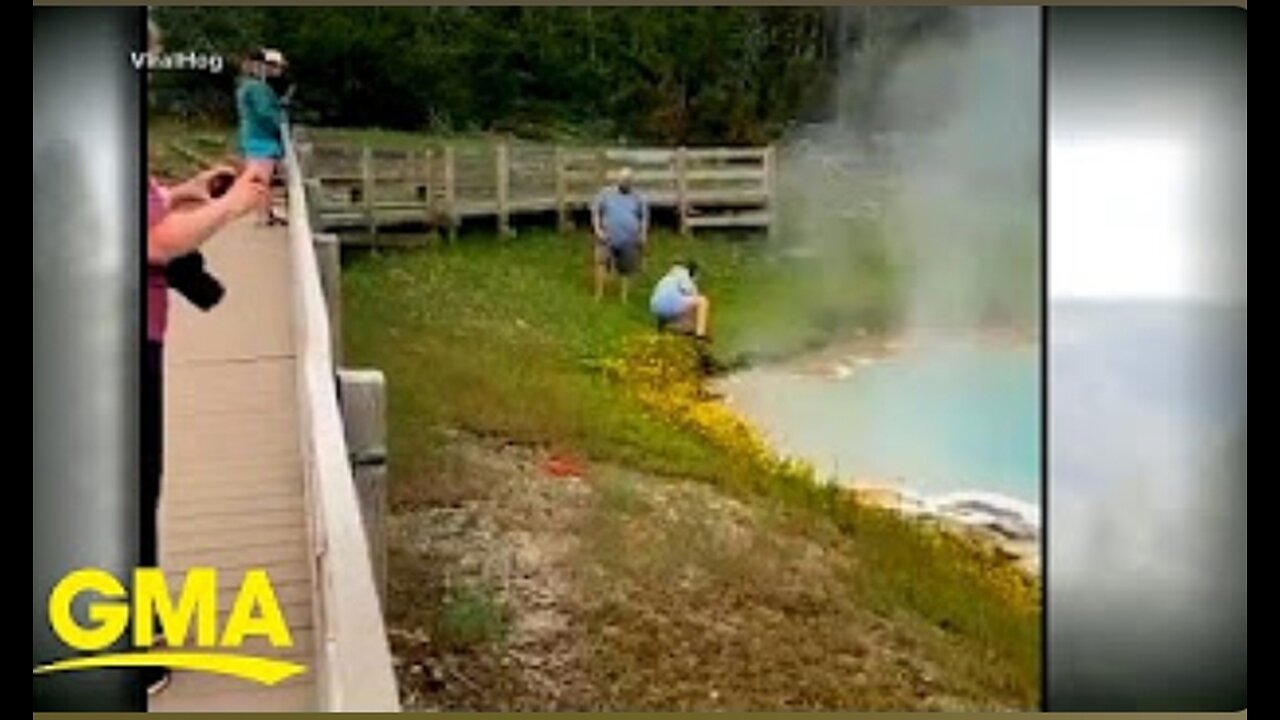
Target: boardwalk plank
x,y
233,494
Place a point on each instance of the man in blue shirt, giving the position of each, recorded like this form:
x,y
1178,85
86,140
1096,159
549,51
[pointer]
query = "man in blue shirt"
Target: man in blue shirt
x,y
676,302
620,219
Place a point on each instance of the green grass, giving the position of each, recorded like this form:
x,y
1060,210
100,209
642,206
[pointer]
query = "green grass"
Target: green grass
x,y
502,336
470,617
215,142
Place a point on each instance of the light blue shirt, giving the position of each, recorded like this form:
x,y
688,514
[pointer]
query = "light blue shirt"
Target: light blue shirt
x,y
671,295
621,214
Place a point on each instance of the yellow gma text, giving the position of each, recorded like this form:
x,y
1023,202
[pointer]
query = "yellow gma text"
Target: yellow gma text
x,y
193,638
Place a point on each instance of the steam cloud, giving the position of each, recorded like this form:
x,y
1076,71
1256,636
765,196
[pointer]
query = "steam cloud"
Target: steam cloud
x,y
927,183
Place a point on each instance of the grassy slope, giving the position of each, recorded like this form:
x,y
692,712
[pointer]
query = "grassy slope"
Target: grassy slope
x,y
501,337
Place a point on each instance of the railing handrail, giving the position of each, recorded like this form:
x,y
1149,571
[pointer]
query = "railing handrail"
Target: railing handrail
x,y
353,661
438,185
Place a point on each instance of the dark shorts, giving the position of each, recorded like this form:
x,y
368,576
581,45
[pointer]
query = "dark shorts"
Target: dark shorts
x,y
622,259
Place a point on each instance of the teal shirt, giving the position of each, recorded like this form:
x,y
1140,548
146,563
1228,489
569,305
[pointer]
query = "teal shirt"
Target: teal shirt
x,y
260,119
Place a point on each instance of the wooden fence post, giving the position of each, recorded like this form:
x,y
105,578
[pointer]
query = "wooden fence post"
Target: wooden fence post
x,y
329,259
429,208
450,194
366,186
304,159
770,162
602,166
362,394
502,170
562,207
682,188
315,202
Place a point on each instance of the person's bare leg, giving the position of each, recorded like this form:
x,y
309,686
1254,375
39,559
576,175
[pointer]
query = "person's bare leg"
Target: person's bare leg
x,y
265,211
702,315
624,283
264,169
599,256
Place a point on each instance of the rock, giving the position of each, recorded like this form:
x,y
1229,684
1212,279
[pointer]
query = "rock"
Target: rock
x,y
1010,518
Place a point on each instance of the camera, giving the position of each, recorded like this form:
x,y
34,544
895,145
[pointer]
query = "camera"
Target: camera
x,y
187,275
220,183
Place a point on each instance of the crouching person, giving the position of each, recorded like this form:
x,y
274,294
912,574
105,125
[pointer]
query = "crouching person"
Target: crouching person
x,y
676,303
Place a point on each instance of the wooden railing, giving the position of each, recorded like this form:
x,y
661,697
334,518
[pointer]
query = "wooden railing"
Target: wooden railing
x,y
353,661
439,186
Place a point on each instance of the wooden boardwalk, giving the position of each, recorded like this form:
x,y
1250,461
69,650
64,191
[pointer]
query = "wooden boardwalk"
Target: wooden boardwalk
x,y
438,186
258,474
234,492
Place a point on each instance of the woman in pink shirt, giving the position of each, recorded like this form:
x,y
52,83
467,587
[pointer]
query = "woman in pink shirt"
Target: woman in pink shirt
x,y
179,219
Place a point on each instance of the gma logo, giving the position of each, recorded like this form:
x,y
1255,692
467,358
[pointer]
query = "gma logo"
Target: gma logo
x,y
255,613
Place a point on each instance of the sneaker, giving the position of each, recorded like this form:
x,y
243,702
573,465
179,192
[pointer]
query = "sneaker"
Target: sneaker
x,y
157,678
